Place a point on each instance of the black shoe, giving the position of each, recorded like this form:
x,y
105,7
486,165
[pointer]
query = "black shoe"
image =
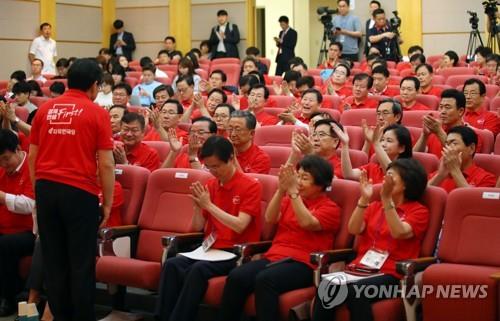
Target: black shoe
x,y
6,308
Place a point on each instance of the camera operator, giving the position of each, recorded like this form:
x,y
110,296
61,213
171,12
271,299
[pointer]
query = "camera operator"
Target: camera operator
x,y
347,30
383,38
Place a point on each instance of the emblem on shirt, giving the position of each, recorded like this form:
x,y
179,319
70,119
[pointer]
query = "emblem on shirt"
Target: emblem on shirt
x,y
62,114
236,200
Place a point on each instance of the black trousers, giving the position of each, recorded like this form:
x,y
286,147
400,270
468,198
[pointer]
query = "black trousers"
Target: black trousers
x,y
267,283
282,66
359,307
68,222
183,284
12,248
35,280
350,57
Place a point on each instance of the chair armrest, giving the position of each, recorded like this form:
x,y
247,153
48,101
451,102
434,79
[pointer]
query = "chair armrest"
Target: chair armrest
x,y
173,244
246,250
495,276
323,260
410,267
110,233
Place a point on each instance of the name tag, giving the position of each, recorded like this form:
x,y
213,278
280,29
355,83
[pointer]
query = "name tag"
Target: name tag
x,y
209,241
374,258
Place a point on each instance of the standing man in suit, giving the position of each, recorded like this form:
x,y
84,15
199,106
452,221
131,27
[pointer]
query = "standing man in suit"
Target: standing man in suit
x,y
121,42
374,4
224,37
286,43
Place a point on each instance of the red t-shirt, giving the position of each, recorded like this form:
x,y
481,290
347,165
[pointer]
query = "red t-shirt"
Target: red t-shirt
x,y
150,132
293,241
350,103
265,119
435,91
243,102
115,217
435,147
144,156
336,165
18,183
377,234
241,193
389,92
416,106
24,141
374,172
186,103
254,160
474,175
342,92
69,130
403,65
182,160
483,119
155,136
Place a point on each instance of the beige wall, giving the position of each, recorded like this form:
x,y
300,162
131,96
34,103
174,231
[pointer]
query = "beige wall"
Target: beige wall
x,y
148,21
204,18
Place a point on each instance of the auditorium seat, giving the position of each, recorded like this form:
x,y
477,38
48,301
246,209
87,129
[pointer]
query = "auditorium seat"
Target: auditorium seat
x,y
434,58
202,73
468,255
282,101
4,84
219,61
453,71
275,111
497,145
161,147
168,67
393,72
430,101
495,104
279,156
458,80
334,114
266,62
164,80
49,82
134,180
276,135
272,79
232,72
45,91
487,138
491,91
330,101
414,118
430,162
438,79
488,162
38,101
22,113
395,80
356,137
406,72
134,74
353,117
318,81
131,81
314,72
158,218
358,158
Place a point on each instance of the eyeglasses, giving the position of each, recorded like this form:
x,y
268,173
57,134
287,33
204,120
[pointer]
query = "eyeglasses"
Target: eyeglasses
x,y
471,93
320,135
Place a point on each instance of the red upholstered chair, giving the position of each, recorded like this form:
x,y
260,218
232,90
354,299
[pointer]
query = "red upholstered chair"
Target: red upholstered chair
x,y
164,80
45,91
414,118
202,73
395,80
355,71
232,71
204,66
134,180
394,309
391,64
406,72
279,156
314,72
22,113
266,62
220,61
161,147
434,58
457,71
274,110
430,101
468,255
131,81
497,145
276,135
491,91
330,101
3,84
334,114
356,137
168,67
134,74
282,101
159,217
393,71
358,158
438,79
488,162
353,117
495,104
49,82
429,161
135,109
38,101
458,80
272,79
487,138
318,81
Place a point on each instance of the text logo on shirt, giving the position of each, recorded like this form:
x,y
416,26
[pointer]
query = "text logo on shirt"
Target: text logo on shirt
x,y
62,114
236,200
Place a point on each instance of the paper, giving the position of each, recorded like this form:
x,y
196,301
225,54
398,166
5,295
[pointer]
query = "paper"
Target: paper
x,y
344,278
212,255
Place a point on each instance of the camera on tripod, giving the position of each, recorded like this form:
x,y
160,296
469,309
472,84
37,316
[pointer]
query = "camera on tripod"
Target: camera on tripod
x,y
490,8
474,20
395,22
326,17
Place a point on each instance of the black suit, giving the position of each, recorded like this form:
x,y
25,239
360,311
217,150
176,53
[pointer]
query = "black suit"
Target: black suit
x,y
231,40
128,38
287,50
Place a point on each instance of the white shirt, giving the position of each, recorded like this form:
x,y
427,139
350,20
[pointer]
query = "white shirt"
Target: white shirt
x,y
103,99
220,46
119,50
19,204
45,49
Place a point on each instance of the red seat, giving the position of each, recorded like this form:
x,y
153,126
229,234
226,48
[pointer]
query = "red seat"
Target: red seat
x,y
434,58
358,158
133,180
430,101
164,80
487,138
279,156
276,135
274,110
22,113
168,68
395,80
202,73
468,255
458,80
334,114
3,84
414,118
330,101
266,62
159,217
457,71
135,109
318,81
429,161
488,162
406,72
495,104
314,72
353,117
491,91
393,72
391,64
131,81
220,61
272,79
355,71
356,137
161,147
497,145
443,87
134,74
38,101
282,101
438,79
232,72
45,91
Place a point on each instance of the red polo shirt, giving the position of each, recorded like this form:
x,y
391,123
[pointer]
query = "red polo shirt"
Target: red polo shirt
x,y
350,103
241,193
182,160
186,103
336,166
328,65
377,234
115,217
483,119
435,147
374,172
403,65
144,156
435,91
389,92
293,241
155,136
416,106
24,141
474,175
265,119
342,92
254,160
17,183
69,130
243,102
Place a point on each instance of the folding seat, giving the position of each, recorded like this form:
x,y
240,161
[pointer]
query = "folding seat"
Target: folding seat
x,y
232,71
314,72
353,117
434,58
45,91
276,135
430,101
406,72
3,84
161,147
491,91
429,161
355,71
204,61
457,80
495,104
271,89
391,64
274,110
318,81
438,79
497,145
393,309
220,61
164,80
133,180
487,138
468,256
202,73
488,162
414,118
168,67
356,137
134,74
282,101
393,72
204,66
393,87
335,114
131,81
135,109
279,156
22,113
272,79
266,62
358,157
415,133
457,71
167,209
330,101
395,80
38,101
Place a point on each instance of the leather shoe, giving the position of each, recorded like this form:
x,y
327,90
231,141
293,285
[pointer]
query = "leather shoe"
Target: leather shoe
x,y
6,308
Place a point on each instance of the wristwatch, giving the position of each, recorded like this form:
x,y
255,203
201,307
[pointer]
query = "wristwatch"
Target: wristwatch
x,y
389,207
294,195
16,120
194,160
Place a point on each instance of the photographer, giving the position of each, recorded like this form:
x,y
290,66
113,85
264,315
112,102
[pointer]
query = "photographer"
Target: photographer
x,y
383,38
347,30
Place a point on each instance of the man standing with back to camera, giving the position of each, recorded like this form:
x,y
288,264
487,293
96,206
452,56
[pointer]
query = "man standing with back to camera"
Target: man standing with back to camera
x,y
70,143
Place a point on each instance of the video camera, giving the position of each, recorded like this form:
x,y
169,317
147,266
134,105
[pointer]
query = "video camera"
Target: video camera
x,y
395,23
474,20
490,8
326,16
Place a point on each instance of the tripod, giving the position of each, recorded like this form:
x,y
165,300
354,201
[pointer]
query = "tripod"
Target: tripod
x,y
474,41
323,51
493,37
